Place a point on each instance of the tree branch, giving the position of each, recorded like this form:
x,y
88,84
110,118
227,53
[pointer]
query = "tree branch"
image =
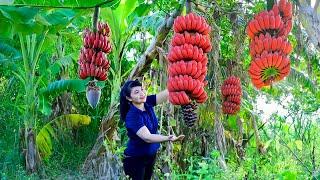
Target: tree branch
x,y
151,52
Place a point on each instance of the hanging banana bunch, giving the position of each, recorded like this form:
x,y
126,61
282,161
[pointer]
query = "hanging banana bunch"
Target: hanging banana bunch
x,y
188,64
93,60
269,47
231,93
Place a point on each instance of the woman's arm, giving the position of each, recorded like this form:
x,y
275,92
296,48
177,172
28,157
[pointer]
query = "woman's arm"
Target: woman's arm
x,y
162,96
145,134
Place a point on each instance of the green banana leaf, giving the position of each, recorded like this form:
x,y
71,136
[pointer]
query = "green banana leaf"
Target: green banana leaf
x,y
62,124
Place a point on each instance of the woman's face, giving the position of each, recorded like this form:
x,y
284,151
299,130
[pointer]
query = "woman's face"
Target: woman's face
x,y
138,95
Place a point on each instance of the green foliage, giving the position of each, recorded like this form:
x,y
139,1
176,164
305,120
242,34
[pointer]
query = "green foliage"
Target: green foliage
x,y
202,168
55,128
28,20
300,80
48,70
57,87
117,20
69,3
228,51
8,52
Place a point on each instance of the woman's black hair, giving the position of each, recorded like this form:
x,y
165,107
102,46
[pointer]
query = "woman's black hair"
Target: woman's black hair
x,y
125,92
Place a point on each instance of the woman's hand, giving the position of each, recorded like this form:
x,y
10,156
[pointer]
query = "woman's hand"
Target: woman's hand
x,y
174,138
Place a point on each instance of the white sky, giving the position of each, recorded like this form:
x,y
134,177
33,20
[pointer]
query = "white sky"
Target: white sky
x,y
268,107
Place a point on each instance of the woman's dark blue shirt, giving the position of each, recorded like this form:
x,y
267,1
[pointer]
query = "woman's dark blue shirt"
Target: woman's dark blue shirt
x,y
136,119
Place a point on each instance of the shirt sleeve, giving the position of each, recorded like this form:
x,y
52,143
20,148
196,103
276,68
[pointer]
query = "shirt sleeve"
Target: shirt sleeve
x,y
134,122
152,100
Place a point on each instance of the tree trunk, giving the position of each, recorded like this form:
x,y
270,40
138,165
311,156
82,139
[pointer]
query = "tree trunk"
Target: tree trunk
x,y
220,140
150,54
310,19
31,153
214,84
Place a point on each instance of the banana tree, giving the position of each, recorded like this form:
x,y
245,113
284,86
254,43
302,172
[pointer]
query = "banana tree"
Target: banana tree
x,y
32,26
31,47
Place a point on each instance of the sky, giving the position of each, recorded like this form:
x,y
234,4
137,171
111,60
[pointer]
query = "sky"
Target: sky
x,y
268,107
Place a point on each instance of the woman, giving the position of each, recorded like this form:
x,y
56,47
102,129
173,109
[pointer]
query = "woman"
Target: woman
x,y
136,109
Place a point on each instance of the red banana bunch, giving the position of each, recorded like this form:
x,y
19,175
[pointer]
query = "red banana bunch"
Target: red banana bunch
x,y
194,69
92,57
269,47
260,65
93,71
231,93
269,44
93,61
104,29
191,23
183,84
188,60
186,52
202,41
97,41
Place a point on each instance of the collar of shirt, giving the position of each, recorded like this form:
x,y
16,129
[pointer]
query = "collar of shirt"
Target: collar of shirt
x,y
134,108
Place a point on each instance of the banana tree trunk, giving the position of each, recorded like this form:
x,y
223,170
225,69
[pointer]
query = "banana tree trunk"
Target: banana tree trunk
x,y
32,155
214,84
62,105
